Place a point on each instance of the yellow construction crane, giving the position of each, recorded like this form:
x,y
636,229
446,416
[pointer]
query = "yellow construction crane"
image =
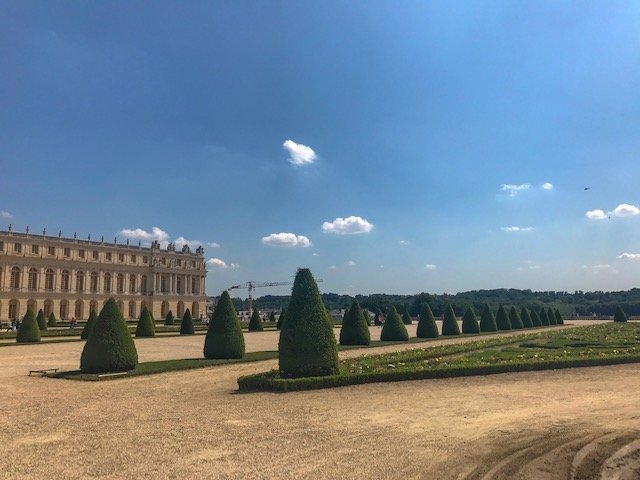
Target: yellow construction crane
x,y
250,285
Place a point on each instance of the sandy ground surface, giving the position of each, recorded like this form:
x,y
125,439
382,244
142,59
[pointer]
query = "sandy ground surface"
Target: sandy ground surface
x,y
580,423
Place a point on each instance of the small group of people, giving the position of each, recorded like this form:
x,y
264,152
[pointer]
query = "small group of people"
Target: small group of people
x,y
73,323
15,325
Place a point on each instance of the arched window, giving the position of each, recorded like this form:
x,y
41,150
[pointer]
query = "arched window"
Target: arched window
x,y
48,308
179,284
49,279
194,285
120,283
107,282
163,284
132,284
79,310
33,279
15,279
64,310
132,309
143,284
14,309
94,283
93,305
80,282
64,281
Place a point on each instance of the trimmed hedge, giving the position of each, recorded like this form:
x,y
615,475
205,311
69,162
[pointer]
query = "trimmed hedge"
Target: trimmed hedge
x,y
427,327
42,323
355,330
109,347
470,322
619,315
52,322
224,336
255,323
559,320
169,319
544,320
307,345
88,327
526,318
29,332
514,318
281,319
366,318
450,322
535,319
186,325
487,320
146,327
502,319
393,329
551,316
406,318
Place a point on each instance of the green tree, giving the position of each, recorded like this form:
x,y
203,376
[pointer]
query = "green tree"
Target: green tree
x,y
559,320
255,323
406,318
355,330
307,344
29,332
52,321
535,319
186,325
502,319
169,319
526,318
42,323
281,319
450,322
551,316
427,327
470,322
224,336
544,320
393,329
88,327
109,347
514,318
145,327
487,320
619,316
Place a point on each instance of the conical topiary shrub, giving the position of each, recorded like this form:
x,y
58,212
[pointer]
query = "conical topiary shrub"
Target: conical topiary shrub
x,y
526,318
544,320
619,316
514,318
355,330
42,323
487,320
186,325
393,329
559,320
169,319
427,327
88,327
307,345
255,324
470,322
29,332
502,319
535,319
365,316
551,316
224,336
450,322
280,319
109,347
145,327
52,321
272,317
406,318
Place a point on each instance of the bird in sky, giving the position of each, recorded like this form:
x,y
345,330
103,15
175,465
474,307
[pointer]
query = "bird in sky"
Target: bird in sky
x,y
587,188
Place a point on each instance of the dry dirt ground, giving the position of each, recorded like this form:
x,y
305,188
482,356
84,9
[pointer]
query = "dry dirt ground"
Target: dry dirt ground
x,y
580,423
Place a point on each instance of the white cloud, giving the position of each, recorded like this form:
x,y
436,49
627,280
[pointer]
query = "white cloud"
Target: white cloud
x,y
216,263
601,266
213,245
5,214
332,267
316,254
181,241
596,214
351,263
286,240
403,242
516,229
299,154
625,210
347,226
430,266
547,186
512,190
140,234
630,256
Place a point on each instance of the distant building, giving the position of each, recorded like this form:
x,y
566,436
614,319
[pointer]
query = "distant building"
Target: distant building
x,y
68,277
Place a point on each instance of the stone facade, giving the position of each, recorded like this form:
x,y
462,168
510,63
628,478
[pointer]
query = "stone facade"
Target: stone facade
x,y
68,277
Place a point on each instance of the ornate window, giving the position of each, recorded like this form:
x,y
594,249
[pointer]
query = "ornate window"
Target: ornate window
x,y
64,281
94,282
80,282
33,279
132,284
14,283
143,284
107,282
49,279
120,283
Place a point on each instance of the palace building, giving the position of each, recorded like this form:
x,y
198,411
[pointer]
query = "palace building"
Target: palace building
x,y
69,276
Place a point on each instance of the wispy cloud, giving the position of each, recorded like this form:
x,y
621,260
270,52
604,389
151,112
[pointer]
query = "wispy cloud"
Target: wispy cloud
x,y
140,234
333,267
430,266
622,210
599,268
181,242
347,226
213,244
299,154
547,186
629,256
512,189
403,242
5,214
516,229
351,263
285,239
219,264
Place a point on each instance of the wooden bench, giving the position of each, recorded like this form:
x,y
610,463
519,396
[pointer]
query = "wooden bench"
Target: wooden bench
x,y
43,371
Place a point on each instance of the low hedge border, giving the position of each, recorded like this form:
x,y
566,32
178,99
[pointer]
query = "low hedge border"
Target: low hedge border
x,y
270,382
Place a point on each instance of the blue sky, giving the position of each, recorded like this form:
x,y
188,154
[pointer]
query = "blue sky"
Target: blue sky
x,y
390,147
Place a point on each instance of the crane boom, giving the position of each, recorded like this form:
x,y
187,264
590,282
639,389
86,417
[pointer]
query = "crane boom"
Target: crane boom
x,y
250,285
